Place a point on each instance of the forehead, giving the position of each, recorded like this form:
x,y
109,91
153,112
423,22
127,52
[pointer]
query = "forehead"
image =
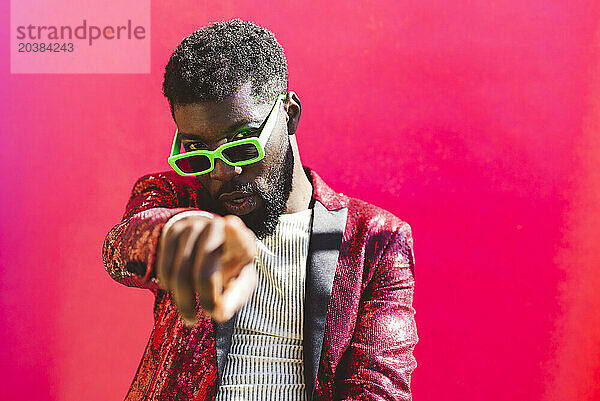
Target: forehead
x,y
214,120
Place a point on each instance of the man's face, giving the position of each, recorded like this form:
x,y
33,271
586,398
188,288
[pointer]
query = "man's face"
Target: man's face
x,y
256,192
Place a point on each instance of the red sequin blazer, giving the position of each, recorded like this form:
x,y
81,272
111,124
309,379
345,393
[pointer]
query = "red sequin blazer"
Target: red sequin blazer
x,y
359,327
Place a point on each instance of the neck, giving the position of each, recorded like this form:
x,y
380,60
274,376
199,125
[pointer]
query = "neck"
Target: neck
x,y
302,189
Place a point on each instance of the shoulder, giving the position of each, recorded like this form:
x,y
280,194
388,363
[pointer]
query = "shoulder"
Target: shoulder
x,y
378,234
381,230
372,217
363,217
165,180
168,189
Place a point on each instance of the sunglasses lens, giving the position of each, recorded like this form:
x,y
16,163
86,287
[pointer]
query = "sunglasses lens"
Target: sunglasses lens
x,y
193,164
241,153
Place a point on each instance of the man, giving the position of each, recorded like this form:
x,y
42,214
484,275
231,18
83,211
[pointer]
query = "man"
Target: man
x,y
268,284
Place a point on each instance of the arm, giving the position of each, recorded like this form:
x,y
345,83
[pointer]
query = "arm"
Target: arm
x,y
129,250
380,357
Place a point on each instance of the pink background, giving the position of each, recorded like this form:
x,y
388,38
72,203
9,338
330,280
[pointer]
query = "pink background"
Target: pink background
x,y
477,123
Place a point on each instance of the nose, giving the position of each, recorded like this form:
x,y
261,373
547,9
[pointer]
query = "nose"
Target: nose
x,y
223,171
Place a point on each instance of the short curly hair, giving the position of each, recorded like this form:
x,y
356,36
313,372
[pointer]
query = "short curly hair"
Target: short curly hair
x,y
215,61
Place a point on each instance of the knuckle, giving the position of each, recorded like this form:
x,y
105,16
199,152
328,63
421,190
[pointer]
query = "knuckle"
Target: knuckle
x,y
175,230
186,231
233,219
207,229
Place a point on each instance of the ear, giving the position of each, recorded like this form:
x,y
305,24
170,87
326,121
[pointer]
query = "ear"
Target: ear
x,y
293,109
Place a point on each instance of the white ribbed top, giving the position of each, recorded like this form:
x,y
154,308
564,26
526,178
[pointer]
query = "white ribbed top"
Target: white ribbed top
x,y
265,360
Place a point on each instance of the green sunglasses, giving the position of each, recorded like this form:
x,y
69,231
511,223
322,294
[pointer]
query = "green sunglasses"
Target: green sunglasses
x,y
235,153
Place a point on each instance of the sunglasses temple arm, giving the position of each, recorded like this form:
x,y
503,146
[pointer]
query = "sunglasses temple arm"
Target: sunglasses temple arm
x,y
262,139
176,144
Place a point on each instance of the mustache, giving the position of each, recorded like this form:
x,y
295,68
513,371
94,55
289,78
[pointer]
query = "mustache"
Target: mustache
x,y
235,186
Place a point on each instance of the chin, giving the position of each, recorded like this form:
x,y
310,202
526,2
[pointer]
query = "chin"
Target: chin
x,y
260,223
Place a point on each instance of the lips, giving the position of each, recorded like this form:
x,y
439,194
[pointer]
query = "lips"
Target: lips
x,y
238,203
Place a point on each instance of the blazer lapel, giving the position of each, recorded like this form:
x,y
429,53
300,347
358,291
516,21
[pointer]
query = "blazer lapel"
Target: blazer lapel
x,y
323,251
223,333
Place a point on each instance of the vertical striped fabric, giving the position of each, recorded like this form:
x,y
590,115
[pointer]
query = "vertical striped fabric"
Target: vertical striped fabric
x,y
265,360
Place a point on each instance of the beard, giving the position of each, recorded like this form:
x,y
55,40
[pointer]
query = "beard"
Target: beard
x,y
263,221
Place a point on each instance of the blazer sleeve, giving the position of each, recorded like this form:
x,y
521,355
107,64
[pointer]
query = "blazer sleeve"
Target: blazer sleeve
x,y
129,249
381,351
